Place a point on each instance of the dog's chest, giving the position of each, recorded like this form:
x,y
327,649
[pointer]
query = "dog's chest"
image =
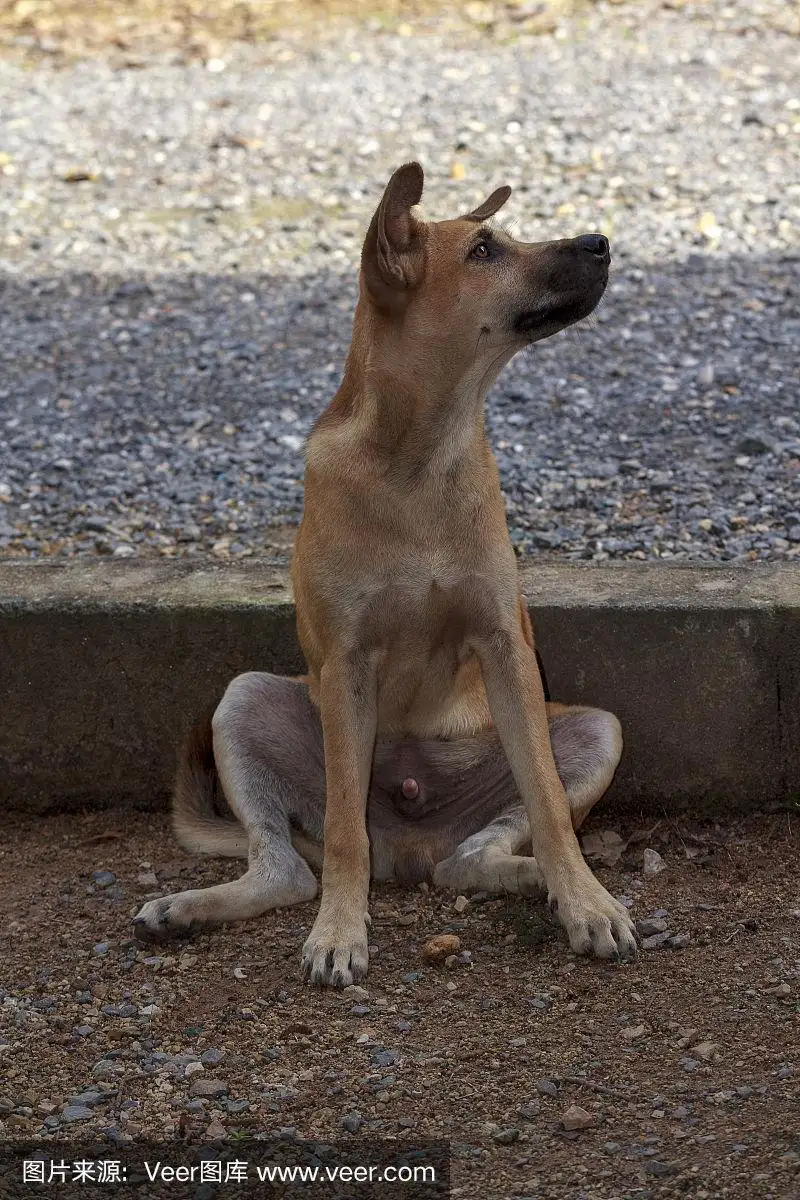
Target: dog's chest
x,y
421,624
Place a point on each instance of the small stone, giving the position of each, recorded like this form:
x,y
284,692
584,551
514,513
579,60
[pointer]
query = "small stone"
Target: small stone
x,y
211,1057
654,1166
76,1112
352,1121
705,1051
147,879
208,1087
383,1058
655,942
193,1068
355,992
506,1137
632,1033
647,926
104,878
546,1087
460,904
438,948
577,1118
101,948
89,1098
105,1068
215,1132
679,940
653,862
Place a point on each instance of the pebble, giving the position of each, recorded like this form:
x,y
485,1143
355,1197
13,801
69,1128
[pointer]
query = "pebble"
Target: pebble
x,y
547,1087
577,1118
705,1051
104,879
211,1057
106,1068
655,941
88,1098
440,947
352,1121
383,1058
648,926
506,1137
632,1033
76,1112
460,904
653,863
208,1088
355,992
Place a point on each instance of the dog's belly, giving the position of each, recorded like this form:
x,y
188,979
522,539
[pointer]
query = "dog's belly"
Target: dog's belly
x,y
461,785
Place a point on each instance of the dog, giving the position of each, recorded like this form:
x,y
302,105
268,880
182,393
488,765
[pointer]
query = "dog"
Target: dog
x,y
419,746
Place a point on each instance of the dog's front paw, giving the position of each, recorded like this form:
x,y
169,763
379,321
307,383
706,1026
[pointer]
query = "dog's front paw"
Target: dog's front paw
x,y
167,917
595,922
335,953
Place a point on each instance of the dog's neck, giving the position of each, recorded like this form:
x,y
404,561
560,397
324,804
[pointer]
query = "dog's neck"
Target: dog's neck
x,y
411,403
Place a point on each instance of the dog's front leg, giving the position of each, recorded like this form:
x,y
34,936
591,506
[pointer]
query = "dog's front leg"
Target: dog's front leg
x,y
593,919
336,950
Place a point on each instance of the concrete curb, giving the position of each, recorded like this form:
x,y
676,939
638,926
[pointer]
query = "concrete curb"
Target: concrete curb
x,y
105,665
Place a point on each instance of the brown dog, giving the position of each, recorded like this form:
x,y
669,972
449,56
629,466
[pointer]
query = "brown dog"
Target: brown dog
x,y
420,745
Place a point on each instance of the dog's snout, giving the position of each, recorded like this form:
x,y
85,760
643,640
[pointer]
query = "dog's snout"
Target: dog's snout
x,y
596,244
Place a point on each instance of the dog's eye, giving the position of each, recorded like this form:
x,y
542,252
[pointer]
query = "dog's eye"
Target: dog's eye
x,y
482,250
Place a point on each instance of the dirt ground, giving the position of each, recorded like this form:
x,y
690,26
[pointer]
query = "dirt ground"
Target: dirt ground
x,y
685,1064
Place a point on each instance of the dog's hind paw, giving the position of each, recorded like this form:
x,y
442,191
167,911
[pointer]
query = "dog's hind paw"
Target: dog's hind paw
x,y
162,918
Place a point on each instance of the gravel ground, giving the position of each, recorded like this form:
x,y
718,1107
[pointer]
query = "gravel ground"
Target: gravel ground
x,y
684,1065
179,232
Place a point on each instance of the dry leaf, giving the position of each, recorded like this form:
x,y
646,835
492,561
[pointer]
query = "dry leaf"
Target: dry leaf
x,y
606,846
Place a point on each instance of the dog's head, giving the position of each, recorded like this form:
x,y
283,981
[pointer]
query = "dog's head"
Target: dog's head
x,y
451,281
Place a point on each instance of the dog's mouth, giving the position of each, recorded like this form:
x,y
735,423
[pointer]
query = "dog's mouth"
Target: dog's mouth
x,y
551,315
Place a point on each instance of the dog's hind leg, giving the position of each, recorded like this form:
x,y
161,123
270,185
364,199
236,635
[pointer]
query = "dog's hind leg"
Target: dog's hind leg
x,y
267,748
587,744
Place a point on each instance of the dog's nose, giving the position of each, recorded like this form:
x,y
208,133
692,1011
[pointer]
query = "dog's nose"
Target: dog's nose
x,y
596,244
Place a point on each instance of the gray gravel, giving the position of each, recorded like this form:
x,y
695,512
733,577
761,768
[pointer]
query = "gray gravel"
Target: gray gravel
x,y
178,248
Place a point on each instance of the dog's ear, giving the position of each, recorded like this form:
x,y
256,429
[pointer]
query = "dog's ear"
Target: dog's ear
x,y
489,207
393,258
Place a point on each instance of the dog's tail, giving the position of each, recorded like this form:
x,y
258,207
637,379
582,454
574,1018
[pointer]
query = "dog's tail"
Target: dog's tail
x,y
201,817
